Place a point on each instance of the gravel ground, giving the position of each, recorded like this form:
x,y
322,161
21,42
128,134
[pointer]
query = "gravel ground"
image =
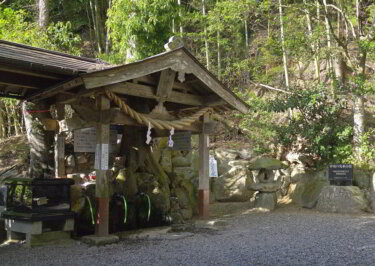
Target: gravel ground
x,y
287,236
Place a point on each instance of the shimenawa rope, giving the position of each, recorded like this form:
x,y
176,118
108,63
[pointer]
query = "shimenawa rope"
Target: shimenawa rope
x,y
156,123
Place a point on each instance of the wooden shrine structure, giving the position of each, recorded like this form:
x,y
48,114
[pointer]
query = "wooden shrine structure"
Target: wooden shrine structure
x,y
173,85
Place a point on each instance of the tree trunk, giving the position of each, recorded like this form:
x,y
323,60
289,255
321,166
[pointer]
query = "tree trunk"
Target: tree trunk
x,y
40,141
107,40
328,35
2,121
218,56
96,26
9,120
180,15
285,60
246,35
358,105
205,37
313,45
16,122
43,13
359,125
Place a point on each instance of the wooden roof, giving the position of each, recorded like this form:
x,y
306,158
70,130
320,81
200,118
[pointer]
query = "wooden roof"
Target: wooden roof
x,y
24,69
175,78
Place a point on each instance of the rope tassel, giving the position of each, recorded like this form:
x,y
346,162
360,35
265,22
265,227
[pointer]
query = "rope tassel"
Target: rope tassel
x,y
156,123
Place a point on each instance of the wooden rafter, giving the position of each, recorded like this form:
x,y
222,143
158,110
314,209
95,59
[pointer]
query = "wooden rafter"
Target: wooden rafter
x,y
61,87
165,84
144,91
29,72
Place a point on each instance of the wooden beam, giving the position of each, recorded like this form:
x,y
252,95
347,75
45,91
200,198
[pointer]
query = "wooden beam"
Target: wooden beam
x,y
18,84
11,96
33,73
101,167
116,116
165,84
130,71
178,86
204,181
128,88
55,89
60,155
214,100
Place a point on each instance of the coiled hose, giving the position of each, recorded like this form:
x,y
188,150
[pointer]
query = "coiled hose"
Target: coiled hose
x,y
149,207
125,209
91,210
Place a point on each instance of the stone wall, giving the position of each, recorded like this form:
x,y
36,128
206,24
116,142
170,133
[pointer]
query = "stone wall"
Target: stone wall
x,y
174,198
294,181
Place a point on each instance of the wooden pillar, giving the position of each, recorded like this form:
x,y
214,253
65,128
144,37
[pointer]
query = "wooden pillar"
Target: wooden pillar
x,y
59,155
101,167
204,182
60,145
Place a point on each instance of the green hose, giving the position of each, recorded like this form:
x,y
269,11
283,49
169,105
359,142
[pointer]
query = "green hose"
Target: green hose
x,y
125,209
92,213
149,207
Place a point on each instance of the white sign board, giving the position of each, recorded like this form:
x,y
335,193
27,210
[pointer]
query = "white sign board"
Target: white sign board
x,y
212,168
85,140
101,157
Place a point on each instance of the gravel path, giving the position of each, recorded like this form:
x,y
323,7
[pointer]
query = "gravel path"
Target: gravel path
x,y
286,236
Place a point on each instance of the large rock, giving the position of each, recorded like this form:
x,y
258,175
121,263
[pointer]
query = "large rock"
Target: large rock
x,y
311,192
166,160
266,201
243,163
246,154
226,154
361,178
232,186
342,199
372,192
187,214
299,158
306,192
181,161
266,163
265,187
297,173
70,161
223,157
186,173
183,198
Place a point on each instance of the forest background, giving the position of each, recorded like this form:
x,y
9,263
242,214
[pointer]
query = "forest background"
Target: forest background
x,y
305,67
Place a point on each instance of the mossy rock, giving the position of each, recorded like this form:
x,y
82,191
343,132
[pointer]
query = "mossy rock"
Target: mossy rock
x,y
191,193
361,178
311,192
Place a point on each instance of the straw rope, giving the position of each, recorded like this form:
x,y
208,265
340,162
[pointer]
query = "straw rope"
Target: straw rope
x,y
156,123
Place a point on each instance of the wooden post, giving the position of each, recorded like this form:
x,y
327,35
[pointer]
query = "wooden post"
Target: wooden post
x,y
101,167
60,145
204,182
59,155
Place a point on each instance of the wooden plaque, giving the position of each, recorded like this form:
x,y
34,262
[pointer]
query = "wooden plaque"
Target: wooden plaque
x,y
182,141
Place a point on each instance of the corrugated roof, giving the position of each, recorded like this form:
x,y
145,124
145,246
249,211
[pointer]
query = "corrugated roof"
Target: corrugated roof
x,y
45,60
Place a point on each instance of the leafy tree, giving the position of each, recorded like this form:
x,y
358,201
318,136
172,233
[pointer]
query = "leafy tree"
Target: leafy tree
x,y
141,28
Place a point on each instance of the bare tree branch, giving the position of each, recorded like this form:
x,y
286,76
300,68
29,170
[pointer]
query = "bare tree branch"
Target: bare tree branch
x,y
346,18
2,2
269,87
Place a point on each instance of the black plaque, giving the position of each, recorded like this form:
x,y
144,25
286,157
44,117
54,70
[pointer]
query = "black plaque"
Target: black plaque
x,y
182,141
340,174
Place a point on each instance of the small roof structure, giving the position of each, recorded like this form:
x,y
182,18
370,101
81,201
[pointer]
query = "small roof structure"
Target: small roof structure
x,y
175,78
